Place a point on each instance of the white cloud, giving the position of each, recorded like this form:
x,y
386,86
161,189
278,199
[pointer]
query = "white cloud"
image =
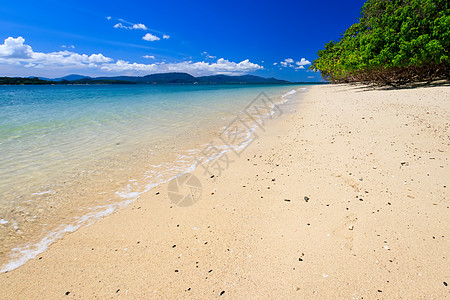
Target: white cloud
x,y
120,25
15,48
208,56
149,56
303,62
166,36
140,26
221,66
108,18
310,77
71,46
275,63
297,65
16,53
150,37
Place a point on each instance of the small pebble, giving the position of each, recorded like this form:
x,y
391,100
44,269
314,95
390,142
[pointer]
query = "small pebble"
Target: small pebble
x,y
222,292
445,283
306,198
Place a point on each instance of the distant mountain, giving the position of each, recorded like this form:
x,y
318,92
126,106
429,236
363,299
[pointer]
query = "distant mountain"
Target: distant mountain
x,y
218,79
88,80
71,77
68,78
160,78
184,78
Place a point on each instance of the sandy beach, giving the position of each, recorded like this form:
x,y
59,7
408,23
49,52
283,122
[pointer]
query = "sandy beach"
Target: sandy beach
x,y
346,195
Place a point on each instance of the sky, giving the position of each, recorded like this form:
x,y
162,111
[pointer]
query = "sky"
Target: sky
x,y
54,38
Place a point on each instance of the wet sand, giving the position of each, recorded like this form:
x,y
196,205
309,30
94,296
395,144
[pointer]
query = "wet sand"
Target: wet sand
x,y
343,196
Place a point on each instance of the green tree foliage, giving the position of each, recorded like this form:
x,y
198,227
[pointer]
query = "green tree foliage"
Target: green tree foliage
x,y
395,41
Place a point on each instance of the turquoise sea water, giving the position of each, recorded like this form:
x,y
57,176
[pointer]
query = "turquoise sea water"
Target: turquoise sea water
x,y
71,154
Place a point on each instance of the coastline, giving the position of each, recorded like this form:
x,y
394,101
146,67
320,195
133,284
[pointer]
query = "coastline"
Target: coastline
x,y
113,182
373,166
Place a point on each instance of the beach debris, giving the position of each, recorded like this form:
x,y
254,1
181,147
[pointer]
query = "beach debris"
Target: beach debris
x,y
306,198
287,200
380,291
404,163
325,275
117,291
386,247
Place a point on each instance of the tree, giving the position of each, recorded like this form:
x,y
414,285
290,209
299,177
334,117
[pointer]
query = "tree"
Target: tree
x,y
394,42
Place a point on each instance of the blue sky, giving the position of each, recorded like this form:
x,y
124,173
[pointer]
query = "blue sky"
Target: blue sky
x,y
98,38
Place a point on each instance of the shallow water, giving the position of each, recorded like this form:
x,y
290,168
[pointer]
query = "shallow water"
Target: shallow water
x,y
73,154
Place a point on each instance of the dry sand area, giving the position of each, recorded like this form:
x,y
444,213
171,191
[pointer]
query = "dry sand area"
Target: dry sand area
x,y
344,196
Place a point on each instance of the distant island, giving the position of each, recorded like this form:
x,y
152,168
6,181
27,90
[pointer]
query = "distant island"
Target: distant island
x,y
161,78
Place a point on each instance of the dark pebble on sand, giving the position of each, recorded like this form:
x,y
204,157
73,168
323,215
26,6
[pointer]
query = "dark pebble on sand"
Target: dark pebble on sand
x,y
174,246
300,259
157,193
222,292
287,200
445,283
176,271
117,291
380,291
212,176
306,198
67,293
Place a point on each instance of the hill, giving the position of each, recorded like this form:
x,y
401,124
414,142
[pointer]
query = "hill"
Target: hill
x,y
160,78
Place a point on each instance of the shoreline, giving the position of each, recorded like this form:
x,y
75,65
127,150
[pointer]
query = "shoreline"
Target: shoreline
x,y
122,194
344,196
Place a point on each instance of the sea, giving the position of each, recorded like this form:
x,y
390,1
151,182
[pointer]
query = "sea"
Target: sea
x,y
73,154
